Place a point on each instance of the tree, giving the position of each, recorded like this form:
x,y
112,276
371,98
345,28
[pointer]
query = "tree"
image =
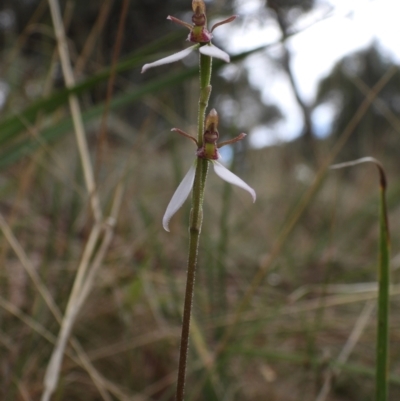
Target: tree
x,y
346,87
286,11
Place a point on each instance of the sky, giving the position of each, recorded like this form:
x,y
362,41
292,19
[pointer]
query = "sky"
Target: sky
x,y
333,30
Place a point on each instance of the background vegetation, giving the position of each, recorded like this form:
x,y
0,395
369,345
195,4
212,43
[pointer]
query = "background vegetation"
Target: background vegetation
x,y
307,249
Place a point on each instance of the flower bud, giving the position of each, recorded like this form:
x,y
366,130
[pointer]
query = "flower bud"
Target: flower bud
x,y
199,32
199,19
212,121
209,150
198,6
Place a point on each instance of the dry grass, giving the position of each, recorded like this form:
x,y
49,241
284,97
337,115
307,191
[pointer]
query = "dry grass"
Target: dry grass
x,y
124,341
129,326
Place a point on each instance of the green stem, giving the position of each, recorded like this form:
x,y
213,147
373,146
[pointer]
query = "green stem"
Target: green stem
x,y
196,219
205,91
382,349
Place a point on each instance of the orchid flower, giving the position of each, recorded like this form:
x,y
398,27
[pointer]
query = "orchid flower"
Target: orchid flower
x,y
199,34
208,151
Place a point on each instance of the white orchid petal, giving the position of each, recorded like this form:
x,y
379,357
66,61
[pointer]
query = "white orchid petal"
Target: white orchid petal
x,y
179,197
228,176
214,51
170,59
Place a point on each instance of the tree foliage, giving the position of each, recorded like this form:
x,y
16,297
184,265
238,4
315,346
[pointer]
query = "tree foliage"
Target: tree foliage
x,y
347,86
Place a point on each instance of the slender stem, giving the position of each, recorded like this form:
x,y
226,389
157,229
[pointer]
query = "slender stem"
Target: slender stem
x,y
196,219
382,349
75,110
205,91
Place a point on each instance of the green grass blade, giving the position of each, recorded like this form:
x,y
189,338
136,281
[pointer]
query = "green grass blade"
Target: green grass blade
x,y
382,340
382,351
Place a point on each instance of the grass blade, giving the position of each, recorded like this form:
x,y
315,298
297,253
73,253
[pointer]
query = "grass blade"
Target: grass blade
x,y
382,365
382,341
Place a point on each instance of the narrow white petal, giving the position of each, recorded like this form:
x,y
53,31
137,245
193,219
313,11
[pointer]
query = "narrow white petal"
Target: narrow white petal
x,y
214,51
179,197
228,176
170,59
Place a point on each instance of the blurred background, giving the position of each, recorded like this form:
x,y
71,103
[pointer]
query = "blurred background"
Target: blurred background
x,y
312,83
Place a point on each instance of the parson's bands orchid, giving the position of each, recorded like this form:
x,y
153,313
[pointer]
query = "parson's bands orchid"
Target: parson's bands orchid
x,y
207,50
208,151
199,34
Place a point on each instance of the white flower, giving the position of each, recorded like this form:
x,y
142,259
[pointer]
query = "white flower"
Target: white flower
x,y
207,49
185,187
199,34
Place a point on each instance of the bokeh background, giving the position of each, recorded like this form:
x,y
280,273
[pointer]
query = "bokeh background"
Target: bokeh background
x,y
312,83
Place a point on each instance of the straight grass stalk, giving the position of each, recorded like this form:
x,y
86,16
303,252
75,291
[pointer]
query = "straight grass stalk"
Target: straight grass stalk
x,y
382,339
75,109
382,349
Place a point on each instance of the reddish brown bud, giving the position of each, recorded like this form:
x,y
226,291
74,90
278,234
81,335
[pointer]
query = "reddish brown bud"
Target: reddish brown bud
x,y
198,6
209,149
199,19
212,120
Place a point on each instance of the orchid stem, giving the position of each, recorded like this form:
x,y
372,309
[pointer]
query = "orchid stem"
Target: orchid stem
x,y
196,219
205,91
